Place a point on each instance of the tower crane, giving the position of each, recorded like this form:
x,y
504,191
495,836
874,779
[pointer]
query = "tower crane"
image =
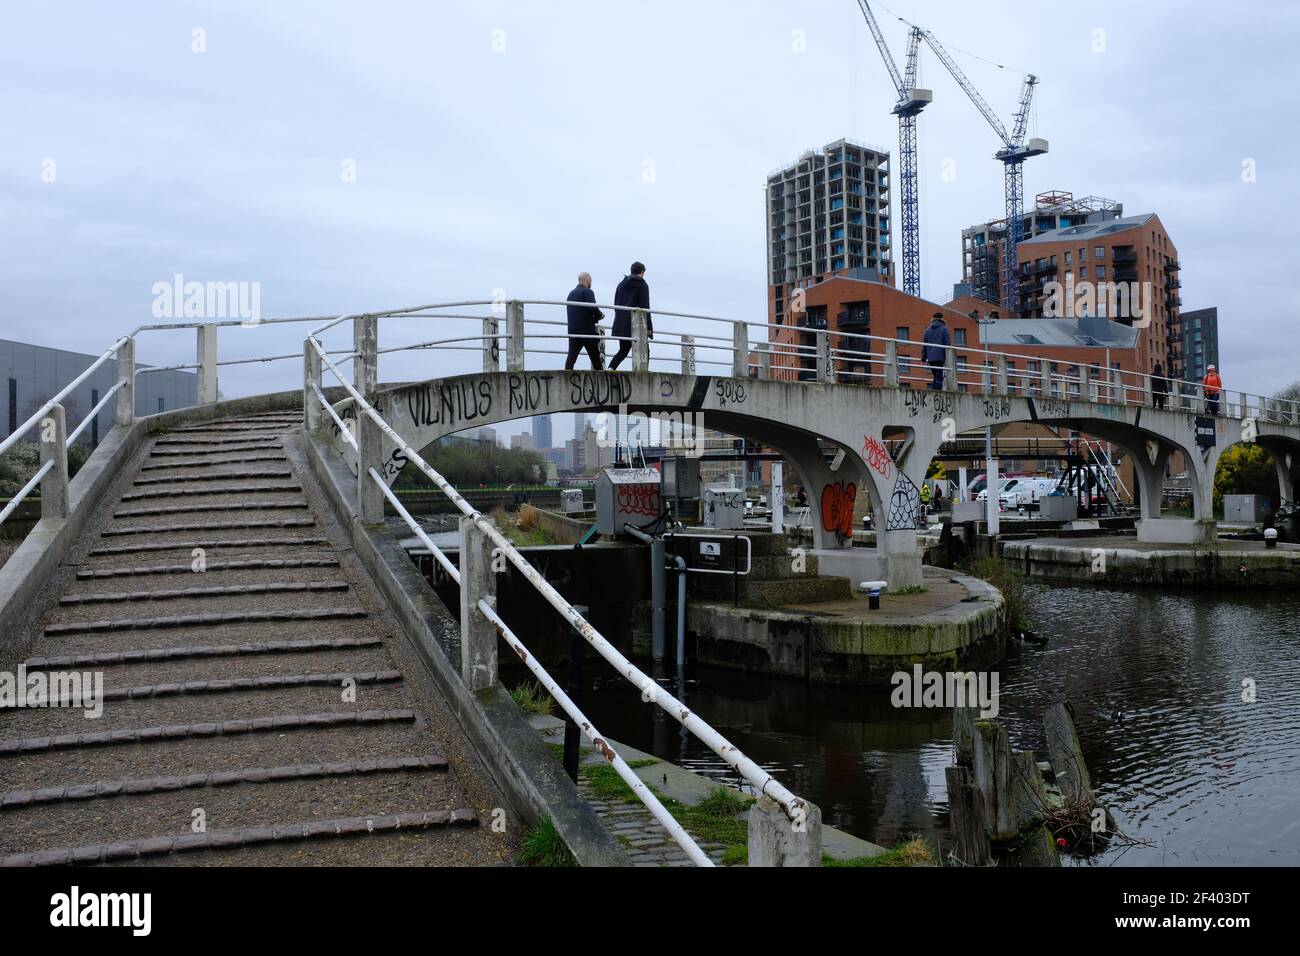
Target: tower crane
x,y
1012,155
911,101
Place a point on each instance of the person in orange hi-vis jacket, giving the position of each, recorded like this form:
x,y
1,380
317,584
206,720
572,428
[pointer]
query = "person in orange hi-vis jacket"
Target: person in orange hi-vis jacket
x,y
1213,386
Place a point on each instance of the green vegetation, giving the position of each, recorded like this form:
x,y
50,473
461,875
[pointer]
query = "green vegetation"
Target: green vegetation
x,y
605,782
467,464
531,699
1006,579
913,852
544,847
508,525
20,462
1245,470
910,589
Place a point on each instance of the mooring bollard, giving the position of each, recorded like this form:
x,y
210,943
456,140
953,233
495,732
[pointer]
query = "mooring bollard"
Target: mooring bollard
x,y
873,589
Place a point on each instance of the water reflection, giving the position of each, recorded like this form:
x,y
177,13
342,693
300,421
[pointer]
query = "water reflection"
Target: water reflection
x,y
1156,682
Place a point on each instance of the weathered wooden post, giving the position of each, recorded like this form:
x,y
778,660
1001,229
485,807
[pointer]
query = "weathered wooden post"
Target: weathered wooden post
x,y
1036,844
365,342
478,636
640,340
992,771
207,362
54,449
514,336
125,411
777,840
966,811
1067,754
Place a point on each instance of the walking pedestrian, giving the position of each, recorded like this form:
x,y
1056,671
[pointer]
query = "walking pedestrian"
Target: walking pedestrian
x,y
583,333
934,350
632,293
1159,386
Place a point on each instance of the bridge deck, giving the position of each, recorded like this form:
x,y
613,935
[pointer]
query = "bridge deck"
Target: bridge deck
x,y
225,690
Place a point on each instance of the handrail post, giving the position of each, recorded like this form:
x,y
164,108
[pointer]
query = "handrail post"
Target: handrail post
x,y
207,362
478,636
740,350
1085,384
370,450
777,840
54,448
825,363
125,413
764,360
491,344
311,376
891,364
1045,386
1147,398
688,355
1002,381
950,370
365,342
515,336
640,340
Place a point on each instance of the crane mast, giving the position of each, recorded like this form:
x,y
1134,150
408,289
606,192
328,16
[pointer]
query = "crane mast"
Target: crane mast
x,y
1012,155
911,101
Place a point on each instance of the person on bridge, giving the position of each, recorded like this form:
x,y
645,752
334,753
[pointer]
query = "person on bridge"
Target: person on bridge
x,y
1159,386
935,351
1213,386
634,293
583,333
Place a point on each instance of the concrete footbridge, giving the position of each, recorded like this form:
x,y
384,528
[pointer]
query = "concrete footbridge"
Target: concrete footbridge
x,y
261,634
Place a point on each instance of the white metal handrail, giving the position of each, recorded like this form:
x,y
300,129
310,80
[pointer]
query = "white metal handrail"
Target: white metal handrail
x,y
763,782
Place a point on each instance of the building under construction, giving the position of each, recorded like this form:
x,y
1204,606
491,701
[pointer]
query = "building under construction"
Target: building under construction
x,y
983,246
827,214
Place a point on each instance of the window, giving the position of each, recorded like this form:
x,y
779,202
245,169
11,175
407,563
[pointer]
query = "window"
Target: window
x,y
1067,258
900,333
959,337
160,404
1101,271
1099,252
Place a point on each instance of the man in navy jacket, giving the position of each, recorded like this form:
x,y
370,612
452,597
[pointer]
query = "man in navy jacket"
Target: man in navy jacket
x,y
582,324
933,351
634,293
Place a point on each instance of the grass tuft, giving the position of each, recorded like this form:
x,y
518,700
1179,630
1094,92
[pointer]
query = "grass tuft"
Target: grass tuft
x,y
544,847
531,699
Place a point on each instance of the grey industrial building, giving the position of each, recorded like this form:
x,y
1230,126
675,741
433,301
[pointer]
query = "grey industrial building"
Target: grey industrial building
x,y
35,373
543,437
1198,341
827,213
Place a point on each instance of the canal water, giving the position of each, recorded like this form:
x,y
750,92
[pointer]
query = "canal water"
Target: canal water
x,y
1156,680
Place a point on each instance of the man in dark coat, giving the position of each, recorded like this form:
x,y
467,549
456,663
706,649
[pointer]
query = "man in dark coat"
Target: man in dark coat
x,y
933,351
582,324
634,293
1159,386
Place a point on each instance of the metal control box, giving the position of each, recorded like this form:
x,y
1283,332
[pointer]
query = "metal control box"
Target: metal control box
x,y
571,500
1246,509
681,477
1058,507
724,508
626,496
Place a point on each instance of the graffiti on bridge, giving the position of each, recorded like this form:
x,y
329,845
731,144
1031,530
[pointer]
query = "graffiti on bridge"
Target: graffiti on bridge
x,y
877,456
838,500
904,505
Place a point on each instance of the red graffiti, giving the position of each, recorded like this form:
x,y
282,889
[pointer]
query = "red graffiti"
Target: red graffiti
x,y
837,507
639,500
877,456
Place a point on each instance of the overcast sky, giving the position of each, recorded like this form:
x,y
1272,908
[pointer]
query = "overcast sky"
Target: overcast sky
x,y
508,145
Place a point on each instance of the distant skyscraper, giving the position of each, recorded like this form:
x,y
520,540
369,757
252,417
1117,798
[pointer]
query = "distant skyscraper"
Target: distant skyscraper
x,y
542,436
579,424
